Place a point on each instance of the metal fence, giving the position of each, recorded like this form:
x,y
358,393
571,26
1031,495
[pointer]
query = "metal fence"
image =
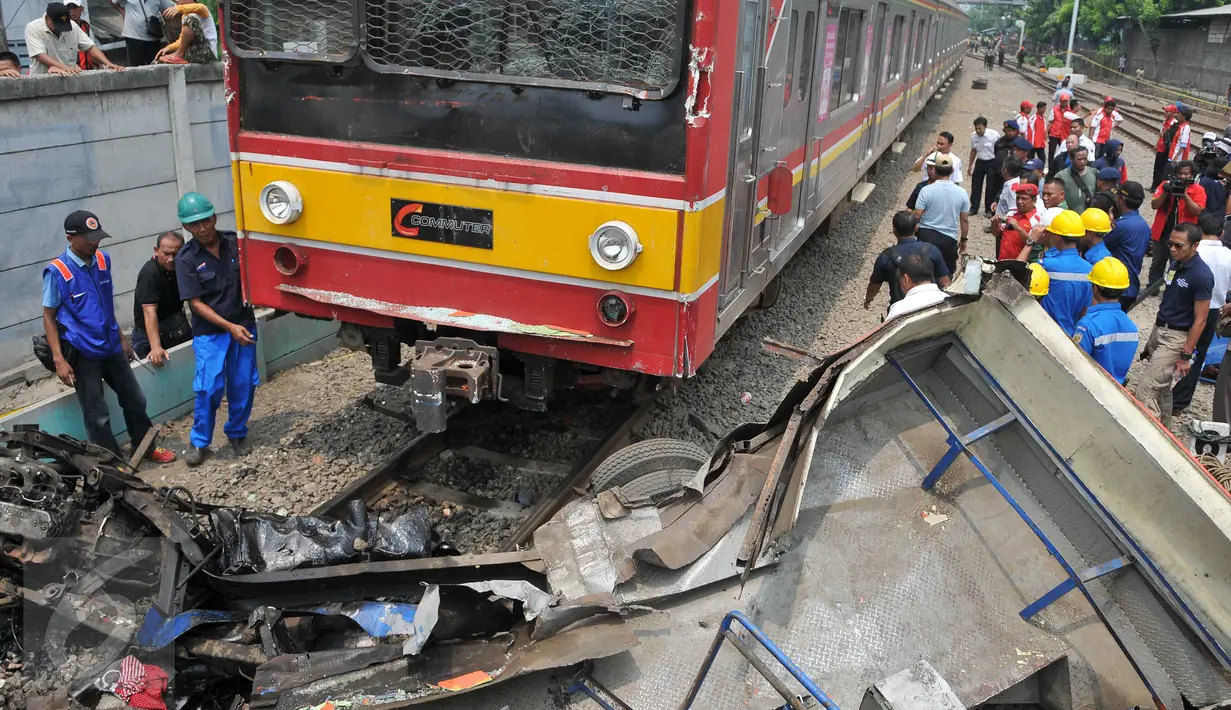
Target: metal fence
x,y
304,30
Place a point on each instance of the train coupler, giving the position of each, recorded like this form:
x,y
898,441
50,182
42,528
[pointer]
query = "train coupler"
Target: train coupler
x,y
450,367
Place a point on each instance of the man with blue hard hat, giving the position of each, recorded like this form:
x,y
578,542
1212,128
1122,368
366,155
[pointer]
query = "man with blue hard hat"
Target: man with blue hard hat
x,y
1106,332
223,328
1070,290
86,343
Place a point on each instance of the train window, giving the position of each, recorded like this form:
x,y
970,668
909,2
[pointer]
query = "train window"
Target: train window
x,y
790,58
805,64
897,40
321,31
846,63
632,48
920,40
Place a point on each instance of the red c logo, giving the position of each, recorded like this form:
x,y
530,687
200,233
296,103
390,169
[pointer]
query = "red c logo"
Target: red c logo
x,y
412,208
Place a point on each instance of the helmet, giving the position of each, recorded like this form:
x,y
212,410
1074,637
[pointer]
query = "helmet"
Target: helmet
x,y
1096,220
1040,282
194,207
1068,224
1109,272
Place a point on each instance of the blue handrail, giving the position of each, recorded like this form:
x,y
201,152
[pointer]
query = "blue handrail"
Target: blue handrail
x,y
606,699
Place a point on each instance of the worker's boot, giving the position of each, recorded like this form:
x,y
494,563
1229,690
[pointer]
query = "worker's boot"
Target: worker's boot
x,y
240,446
194,456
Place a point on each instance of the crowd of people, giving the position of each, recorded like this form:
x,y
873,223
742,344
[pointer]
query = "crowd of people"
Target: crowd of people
x,y
86,347
155,31
1054,186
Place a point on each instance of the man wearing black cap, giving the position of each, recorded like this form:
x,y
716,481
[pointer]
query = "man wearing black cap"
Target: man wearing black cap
x,y
53,42
1106,183
85,339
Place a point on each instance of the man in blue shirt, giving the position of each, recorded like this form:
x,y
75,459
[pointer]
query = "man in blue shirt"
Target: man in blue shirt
x,y
885,268
1098,224
1070,291
1129,239
942,211
1181,319
1106,333
86,343
223,328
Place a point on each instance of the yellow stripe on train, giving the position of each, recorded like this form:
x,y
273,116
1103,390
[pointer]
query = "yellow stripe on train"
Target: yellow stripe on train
x,y
532,232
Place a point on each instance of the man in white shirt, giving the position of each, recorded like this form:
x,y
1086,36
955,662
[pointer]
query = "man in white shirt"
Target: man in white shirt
x,y
944,146
1218,258
982,166
918,280
1078,131
54,40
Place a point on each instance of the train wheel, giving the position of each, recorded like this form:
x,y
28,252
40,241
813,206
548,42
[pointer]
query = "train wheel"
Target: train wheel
x,y
651,467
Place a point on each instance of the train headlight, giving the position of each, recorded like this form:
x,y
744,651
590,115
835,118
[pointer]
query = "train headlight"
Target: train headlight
x,y
280,202
614,245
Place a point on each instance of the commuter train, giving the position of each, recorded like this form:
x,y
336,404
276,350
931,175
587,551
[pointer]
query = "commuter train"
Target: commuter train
x,y
539,194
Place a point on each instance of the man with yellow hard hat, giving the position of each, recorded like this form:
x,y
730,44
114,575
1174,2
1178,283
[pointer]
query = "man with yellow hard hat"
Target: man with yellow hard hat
x,y
1040,282
1098,224
1070,291
1106,332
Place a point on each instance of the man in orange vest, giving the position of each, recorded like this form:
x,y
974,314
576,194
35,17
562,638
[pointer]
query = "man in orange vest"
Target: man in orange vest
x,y
1161,152
1038,131
1102,122
1061,126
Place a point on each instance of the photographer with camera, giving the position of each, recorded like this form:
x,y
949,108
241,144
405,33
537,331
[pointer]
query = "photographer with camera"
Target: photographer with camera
x,y
1179,200
1215,186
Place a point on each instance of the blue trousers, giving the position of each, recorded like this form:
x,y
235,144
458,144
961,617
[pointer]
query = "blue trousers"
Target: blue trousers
x,y
223,365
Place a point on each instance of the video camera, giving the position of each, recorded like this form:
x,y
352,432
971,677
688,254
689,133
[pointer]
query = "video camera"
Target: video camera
x,y
1177,186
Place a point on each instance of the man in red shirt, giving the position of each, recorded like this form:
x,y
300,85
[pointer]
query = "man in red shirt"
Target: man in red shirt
x,y
1061,126
1102,122
1018,223
1038,131
1162,153
1176,201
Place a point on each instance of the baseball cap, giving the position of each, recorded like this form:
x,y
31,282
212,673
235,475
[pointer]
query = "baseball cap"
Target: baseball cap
x,y
1033,164
944,160
1181,107
1108,174
1133,191
58,14
1171,108
1010,123
1065,95
1108,98
1223,144
1026,105
1209,136
1022,144
1027,188
84,224
73,3
931,159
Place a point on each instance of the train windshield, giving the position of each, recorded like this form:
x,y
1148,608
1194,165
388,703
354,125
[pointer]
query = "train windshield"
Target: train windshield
x,y
619,46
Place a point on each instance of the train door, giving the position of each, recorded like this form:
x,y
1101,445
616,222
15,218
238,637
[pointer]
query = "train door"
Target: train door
x,y
872,80
797,131
738,260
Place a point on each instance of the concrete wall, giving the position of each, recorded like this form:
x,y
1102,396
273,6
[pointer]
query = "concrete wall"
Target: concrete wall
x,y
1196,55
122,145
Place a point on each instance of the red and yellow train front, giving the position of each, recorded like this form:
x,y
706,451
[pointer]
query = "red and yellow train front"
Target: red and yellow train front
x,y
510,173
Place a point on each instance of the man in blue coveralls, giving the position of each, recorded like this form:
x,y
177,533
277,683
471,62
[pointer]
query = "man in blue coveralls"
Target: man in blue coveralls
x,y
1070,290
223,328
1129,239
1106,332
87,346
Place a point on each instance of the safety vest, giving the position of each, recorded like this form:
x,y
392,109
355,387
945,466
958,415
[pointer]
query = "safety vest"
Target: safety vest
x,y
1038,130
87,305
1161,145
1179,145
1102,122
1060,123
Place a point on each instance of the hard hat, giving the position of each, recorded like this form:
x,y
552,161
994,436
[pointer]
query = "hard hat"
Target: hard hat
x,y
1068,224
1109,272
1040,282
194,207
1096,220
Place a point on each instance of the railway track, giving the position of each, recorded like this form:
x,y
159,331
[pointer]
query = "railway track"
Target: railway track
x,y
1137,126
486,480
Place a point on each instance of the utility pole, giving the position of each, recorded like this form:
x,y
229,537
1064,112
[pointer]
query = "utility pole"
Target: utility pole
x,y
1068,58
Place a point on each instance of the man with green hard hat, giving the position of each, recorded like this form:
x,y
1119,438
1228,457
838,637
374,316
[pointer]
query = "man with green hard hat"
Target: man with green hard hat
x,y
223,328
